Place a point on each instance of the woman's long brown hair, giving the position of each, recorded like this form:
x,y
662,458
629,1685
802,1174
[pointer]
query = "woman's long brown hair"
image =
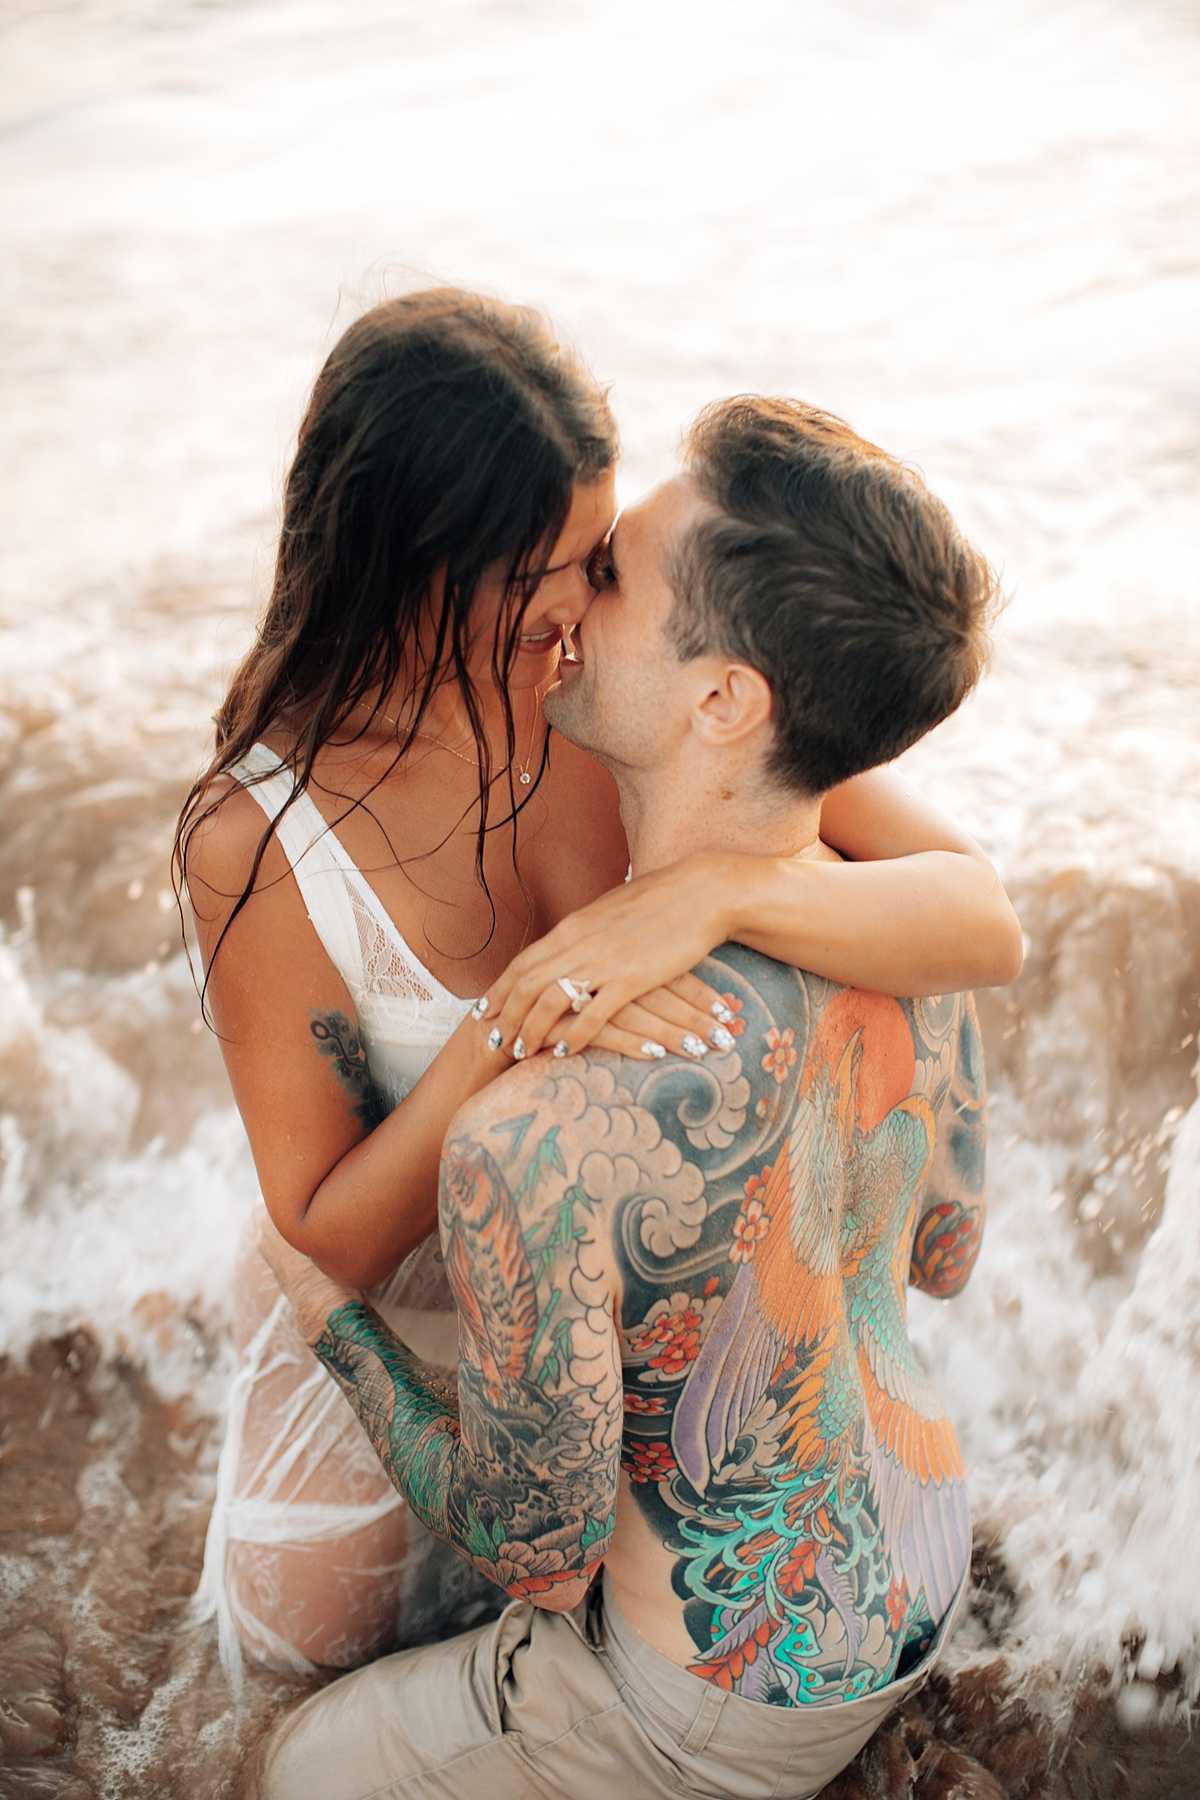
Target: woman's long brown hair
x,y
444,437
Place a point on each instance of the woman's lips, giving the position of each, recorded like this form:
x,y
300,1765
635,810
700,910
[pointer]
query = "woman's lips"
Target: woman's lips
x,y
538,644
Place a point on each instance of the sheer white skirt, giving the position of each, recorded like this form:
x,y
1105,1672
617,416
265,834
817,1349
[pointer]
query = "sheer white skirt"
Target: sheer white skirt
x,y
312,1557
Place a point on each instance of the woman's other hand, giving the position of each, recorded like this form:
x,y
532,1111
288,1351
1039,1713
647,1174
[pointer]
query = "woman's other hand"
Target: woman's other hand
x,y
918,909
632,949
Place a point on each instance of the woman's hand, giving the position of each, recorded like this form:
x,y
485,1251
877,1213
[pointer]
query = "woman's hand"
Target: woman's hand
x,y
313,1295
632,950
918,910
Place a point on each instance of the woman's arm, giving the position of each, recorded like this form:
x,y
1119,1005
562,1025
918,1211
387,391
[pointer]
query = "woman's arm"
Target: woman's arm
x,y
352,1189
349,1184
917,909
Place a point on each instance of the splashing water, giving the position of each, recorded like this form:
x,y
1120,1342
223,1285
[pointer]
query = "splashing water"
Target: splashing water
x,y
965,226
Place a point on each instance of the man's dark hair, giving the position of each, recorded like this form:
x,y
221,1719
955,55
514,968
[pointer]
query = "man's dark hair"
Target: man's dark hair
x,y
832,570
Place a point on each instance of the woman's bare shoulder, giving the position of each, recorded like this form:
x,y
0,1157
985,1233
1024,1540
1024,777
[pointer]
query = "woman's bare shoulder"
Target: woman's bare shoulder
x,y
222,836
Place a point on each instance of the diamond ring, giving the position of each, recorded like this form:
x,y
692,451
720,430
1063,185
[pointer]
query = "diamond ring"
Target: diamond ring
x,y
577,992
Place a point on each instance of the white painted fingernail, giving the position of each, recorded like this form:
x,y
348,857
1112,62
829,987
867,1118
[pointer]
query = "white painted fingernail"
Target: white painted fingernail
x,y
562,1048
720,1011
495,1041
695,1046
479,1010
518,1049
650,1048
720,1038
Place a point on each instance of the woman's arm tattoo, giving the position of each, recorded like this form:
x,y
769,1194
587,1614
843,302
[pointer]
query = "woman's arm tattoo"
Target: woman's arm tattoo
x,y
339,1042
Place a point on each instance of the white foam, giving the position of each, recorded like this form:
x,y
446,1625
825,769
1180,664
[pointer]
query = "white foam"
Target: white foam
x,y
138,1247
1077,1404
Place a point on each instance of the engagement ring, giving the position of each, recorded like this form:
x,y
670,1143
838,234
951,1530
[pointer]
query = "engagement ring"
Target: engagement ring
x,y
577,992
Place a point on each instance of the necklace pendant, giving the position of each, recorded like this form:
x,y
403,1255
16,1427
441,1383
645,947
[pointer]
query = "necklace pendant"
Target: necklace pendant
x,y
526,778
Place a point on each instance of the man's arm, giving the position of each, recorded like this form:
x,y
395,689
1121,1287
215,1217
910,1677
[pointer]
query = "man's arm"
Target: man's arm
x,y
950,1227
518,1472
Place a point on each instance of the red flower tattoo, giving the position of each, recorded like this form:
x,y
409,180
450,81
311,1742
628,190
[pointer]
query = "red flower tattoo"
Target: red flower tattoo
x,y
757,1183
677,1336
644,1462
749,1229
735,1026
897,1604
781,1053
655,1405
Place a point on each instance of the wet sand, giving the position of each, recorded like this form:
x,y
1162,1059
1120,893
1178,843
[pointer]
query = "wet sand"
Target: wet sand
x,y
105,1688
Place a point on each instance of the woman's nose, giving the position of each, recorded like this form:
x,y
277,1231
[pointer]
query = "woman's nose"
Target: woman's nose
x,y
571,600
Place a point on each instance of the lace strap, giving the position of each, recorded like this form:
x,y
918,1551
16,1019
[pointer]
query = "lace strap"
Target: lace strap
x,y
319,862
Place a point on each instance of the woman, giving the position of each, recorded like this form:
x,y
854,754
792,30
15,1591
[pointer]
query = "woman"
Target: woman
x,y
426,840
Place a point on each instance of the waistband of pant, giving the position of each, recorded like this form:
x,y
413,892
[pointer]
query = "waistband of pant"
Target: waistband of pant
x,y
686,1701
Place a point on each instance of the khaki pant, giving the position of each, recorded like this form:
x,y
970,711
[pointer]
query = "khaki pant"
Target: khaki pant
x,y
570,1705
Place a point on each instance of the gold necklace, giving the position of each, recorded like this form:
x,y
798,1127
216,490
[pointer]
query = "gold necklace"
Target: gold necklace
x,y
473,760
523,776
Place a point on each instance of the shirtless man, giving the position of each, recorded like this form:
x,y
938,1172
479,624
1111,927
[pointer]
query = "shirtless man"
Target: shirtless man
x,y
680,1284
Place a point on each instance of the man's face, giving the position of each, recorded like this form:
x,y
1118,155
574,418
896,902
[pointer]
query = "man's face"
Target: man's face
x,y
626,698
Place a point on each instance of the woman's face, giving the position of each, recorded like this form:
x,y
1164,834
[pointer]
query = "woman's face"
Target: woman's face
x,y
563,594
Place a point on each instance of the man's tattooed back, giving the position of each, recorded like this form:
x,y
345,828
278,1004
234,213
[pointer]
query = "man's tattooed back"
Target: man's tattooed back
x,y
697,1270
683,1346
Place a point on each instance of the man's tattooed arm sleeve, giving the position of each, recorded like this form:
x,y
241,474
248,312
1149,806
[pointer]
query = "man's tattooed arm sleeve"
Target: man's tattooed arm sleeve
x,y
519,1470
408,1411
950,1226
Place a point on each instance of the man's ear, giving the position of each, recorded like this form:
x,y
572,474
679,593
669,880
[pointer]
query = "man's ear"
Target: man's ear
x,y
734,702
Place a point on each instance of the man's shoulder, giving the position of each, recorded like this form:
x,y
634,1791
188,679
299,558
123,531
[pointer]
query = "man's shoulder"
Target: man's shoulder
x,y
767,997
800,991
790,1023
788,1026
713,1109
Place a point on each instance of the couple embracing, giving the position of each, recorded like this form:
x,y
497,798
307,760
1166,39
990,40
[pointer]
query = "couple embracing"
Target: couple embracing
x,y
594,1000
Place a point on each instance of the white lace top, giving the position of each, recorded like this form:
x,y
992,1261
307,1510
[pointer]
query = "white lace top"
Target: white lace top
x,y
405,1015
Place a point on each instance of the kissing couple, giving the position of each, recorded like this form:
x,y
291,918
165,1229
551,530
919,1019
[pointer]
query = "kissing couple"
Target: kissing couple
x,y
596,1003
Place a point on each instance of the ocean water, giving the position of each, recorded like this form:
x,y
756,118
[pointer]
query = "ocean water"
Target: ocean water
x,y
970,226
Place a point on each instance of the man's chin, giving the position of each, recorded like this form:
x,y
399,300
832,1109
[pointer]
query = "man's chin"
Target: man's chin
x,y
565,707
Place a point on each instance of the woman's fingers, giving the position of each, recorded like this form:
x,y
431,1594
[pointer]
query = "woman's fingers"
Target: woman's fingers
x,y
637,937
660,1018
526,1029
695,1006
643,1036
537,996
628,1043
553,1021
677,1015
663,1019
636,942
698,994
658,1025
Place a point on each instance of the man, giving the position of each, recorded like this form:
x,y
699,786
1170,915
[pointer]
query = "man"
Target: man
x,y
680,1284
